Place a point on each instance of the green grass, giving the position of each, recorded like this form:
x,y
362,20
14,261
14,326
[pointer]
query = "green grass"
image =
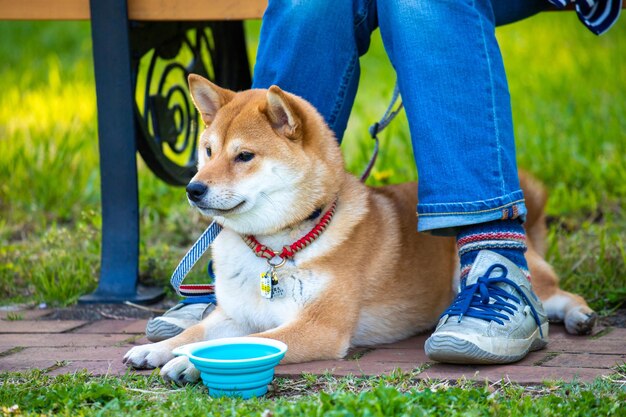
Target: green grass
x,y
35,393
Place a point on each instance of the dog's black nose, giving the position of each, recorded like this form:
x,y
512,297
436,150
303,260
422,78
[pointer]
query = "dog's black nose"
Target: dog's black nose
x,y
196,191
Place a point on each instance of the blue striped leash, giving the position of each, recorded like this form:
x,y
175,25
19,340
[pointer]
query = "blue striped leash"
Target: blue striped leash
x,y
188,262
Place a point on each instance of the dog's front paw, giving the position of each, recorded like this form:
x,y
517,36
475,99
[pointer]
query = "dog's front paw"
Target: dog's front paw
x,y
180,371
148,356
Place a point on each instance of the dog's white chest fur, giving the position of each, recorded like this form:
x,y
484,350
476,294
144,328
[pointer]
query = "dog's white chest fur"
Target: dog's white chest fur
x,y
238,285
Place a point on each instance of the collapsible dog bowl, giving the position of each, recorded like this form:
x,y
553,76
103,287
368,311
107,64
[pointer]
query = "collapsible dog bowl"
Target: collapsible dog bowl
x,y
235,366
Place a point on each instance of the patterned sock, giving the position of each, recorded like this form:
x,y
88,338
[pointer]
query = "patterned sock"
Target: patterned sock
x,y
505,237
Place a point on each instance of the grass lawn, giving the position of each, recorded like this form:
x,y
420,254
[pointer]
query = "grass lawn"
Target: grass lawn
x,y
568,92
395,394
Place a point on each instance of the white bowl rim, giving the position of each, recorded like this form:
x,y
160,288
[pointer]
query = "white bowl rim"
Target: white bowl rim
x,y
186,350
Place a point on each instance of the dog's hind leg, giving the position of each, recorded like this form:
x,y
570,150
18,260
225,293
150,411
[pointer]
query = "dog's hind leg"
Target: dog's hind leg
x,y
561,306
536,198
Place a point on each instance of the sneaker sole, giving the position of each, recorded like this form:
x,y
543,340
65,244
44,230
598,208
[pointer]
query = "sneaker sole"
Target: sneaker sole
x,y
158,330
171,324
449,348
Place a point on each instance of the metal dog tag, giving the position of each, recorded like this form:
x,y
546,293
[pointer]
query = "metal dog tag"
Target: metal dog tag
x,y
267,283
277,292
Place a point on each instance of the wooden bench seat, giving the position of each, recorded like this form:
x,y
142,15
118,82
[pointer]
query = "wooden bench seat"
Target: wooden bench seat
x,y
143,10
146,10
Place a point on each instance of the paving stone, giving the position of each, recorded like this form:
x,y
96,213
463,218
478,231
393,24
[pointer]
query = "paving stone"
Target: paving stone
x,y
94,353
24,314
612,333
340,368
534,358
414,342
315,367
588,345
114,326
141,341
8,363
557,331
585,360
62,339
418,357
357,352
519,374
99,347
39,326
595,332
608,340
414,356
96,368
611,337
380,368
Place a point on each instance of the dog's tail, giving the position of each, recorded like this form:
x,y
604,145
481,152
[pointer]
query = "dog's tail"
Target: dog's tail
x,y
536,198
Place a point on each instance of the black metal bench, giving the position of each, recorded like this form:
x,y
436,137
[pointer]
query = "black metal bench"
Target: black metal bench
x,y
143,51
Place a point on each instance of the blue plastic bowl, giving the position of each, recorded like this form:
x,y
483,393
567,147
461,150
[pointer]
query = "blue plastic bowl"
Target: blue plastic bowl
x,y
235,366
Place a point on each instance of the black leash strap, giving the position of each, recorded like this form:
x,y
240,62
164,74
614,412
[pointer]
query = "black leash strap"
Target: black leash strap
x,y
379,126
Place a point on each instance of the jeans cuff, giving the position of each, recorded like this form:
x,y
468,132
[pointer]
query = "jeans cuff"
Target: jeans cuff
x,y
444,219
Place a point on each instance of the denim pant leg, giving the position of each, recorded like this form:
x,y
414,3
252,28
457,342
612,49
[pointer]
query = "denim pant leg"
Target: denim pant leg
x,y
311,48
454,88
451,77
510,11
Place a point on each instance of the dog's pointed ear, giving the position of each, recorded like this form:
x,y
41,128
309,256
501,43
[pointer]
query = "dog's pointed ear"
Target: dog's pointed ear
x,y
282,113
208,97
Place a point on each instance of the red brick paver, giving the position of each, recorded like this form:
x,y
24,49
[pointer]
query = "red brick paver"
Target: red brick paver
x,y
67,346
39,326
23,314
515,373
114,326
62,339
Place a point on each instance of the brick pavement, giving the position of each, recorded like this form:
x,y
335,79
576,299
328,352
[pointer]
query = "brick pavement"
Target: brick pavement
x,y
63,346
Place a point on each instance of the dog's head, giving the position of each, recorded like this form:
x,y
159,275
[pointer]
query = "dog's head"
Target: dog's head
x,y
266,158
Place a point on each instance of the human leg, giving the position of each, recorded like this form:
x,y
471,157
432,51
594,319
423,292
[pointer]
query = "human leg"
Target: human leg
x,y
311,48
510,11
454,88
452,81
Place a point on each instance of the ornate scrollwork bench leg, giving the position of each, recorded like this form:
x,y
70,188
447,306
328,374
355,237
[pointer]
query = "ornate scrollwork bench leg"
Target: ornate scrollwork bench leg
x,y
143,106
164,53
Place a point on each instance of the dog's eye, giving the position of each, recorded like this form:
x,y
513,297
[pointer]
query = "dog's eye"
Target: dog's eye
x,y
244,157
208,152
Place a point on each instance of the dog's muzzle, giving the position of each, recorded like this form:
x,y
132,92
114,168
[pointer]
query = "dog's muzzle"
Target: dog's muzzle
x,y
196,191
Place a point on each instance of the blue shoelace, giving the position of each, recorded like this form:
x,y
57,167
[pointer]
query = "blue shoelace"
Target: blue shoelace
x,y
473,300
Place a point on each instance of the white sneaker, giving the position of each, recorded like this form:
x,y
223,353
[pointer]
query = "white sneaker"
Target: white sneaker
x,y
177,319
495,318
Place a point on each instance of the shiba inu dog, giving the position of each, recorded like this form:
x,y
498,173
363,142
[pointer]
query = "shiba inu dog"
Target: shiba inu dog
x,y
311,256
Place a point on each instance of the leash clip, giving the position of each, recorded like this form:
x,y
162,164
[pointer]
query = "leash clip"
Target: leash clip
x,y
269,279
277,264
374,129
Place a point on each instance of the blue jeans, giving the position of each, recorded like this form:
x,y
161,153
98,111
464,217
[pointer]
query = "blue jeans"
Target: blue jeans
x,y
451,79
